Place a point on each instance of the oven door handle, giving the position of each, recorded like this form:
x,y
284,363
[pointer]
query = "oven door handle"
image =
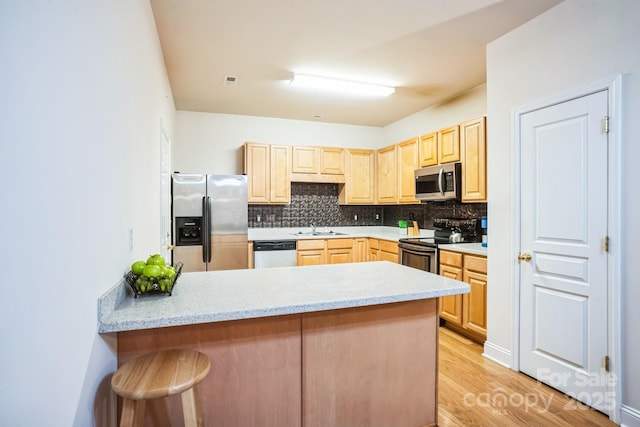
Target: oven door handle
x,y
419,252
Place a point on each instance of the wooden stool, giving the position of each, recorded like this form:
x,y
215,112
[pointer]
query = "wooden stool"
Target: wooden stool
x,y
161,374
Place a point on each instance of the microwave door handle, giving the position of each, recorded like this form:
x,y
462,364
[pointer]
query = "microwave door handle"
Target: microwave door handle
x,y
440,181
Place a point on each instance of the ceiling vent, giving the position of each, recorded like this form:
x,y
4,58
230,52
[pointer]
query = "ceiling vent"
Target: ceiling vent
x,y
230,81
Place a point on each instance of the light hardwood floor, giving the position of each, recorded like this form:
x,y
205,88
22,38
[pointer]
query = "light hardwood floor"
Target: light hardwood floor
x,y
475,391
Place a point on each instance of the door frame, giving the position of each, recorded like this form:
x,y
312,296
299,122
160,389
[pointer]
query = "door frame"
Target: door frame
x,y
614,87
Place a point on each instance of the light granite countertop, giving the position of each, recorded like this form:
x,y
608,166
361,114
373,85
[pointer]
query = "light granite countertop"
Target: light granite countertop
x,y
376,232
242,294
467,248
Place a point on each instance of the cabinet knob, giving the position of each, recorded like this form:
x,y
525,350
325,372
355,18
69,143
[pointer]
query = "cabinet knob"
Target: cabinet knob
x,y
524,256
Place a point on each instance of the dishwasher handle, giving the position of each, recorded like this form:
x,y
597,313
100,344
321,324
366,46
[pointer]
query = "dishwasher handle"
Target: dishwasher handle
x,y
274,245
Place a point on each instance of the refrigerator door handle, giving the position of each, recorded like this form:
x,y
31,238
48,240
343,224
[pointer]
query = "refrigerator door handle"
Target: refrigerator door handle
x,y
205,230
209,214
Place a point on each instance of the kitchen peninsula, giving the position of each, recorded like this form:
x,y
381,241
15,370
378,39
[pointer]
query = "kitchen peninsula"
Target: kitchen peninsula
x,y
343,344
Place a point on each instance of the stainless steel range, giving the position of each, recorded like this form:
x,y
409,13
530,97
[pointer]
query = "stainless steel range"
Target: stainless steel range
x,y
422,252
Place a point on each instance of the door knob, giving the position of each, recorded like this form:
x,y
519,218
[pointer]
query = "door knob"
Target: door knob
x,y
524,256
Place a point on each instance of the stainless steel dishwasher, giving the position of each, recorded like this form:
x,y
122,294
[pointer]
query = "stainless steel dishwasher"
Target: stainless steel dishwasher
x,y
274,253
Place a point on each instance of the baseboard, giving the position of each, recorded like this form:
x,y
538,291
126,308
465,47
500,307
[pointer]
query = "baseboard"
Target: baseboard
x,y
497,354
629,417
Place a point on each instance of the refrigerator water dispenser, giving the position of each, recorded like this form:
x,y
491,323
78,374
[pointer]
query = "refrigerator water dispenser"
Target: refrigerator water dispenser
x,y
189,231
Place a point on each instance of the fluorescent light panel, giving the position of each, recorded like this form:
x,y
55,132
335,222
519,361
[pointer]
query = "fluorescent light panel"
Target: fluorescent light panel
x,y
344,86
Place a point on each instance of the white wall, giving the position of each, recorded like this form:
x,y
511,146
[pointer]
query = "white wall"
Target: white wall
x,y
576,43
84,89
212,143
466,106
218,138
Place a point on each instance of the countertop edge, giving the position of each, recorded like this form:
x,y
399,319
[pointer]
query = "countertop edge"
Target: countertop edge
x,y
105,326
195,303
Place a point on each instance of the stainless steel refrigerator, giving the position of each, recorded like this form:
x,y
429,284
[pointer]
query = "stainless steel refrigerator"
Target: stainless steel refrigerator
x,y
210,221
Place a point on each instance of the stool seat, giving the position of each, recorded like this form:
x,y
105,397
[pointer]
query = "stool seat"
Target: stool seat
x,y
159,374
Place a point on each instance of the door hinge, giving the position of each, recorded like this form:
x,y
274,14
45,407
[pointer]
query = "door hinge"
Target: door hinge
x,y
605,363
605,244
604,124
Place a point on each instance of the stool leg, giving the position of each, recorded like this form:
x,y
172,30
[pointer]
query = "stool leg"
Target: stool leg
x,y
132,413
191,407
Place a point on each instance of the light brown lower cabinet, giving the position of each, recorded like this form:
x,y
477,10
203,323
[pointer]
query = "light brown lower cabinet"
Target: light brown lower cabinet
x,y
348,367
382,250
343,250
311,252
360,249
339,251
467,313
388,251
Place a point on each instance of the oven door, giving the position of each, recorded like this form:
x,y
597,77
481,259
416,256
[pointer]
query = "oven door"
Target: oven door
x,y
421,257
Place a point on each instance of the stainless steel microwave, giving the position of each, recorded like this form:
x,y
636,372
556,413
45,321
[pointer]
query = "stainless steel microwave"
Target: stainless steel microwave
x,y
437,183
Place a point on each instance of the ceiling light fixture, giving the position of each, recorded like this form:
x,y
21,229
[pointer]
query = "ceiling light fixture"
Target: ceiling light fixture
x,y
338,85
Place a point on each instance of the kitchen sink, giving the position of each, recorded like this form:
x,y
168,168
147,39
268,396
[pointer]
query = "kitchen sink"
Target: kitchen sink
x,y
318,233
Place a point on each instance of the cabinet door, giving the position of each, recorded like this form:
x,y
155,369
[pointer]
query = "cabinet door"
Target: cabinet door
x,y
340,256
428,151
449,145
256,167
359,249
311,257
388,251
475,302
387,175
451,267
359,179
339,251
451,306
332,161
407,164
250,255
474,160
305,159
280,190
373,249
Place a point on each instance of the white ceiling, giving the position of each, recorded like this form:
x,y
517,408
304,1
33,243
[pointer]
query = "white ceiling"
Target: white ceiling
x,y
431,50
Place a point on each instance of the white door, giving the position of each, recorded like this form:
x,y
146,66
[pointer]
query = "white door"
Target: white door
x,y
563,286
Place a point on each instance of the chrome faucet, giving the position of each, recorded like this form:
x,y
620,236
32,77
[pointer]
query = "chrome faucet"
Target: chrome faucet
x,y
313,228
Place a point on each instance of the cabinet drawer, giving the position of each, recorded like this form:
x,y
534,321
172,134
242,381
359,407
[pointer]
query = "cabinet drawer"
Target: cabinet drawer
x,y
451,258
374,244
389,246
474,263
339,243
310,244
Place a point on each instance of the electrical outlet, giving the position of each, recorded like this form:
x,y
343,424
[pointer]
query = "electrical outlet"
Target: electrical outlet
x,y
355,217
377,217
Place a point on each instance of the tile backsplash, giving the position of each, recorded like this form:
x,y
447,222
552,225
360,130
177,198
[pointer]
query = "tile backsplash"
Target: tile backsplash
x,y
318,204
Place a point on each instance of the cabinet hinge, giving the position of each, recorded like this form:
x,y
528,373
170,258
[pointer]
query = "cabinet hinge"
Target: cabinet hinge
x,y
605,363
605,244
604,124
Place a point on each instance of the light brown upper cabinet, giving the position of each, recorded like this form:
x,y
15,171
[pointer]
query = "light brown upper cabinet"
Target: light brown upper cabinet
x,y
474,160
359,177
449,144
387,160
317,164
305,159
428,151
268,170
407,164
331,161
